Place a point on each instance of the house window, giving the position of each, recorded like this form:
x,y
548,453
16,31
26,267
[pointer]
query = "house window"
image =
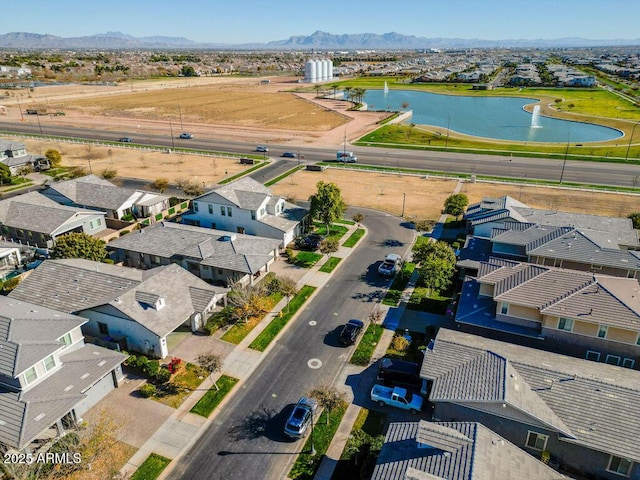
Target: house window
x,y
229,211
103,328
195,206
638,340
30,375
219,271
49,363
602,331
565,324
628,362
20,233
223,211
619,465
210,209
66,340
253,214
240,230
537,441
612,360
504,308
155,259
95,223
593,356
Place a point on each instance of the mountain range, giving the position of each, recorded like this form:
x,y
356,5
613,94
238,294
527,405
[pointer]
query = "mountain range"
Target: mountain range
x,y
317,41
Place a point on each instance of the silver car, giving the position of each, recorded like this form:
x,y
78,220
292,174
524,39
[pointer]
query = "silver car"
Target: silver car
x,y
300,419
390,265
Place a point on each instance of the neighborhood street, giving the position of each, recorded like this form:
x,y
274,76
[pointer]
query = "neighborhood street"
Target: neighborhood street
x,y
246,438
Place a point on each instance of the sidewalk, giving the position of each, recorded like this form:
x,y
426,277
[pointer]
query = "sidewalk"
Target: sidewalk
x,y
182,429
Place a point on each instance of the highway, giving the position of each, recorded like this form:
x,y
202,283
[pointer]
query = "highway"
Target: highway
x,y
517,168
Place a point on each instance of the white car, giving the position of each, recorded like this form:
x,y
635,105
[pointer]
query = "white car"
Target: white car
x,y
262,148
390,265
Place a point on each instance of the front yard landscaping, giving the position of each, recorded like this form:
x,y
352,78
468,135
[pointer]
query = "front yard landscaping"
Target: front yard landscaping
x,y
151,468
187,378
366,347
306,464
330,264
399,283
236,333
425,301
306,259
403,349
214,396
263,340
336,232
360,454
353,238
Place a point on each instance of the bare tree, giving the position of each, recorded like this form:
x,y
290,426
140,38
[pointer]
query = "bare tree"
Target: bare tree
x,y
377,314
328,397
288,287
247,301
210,362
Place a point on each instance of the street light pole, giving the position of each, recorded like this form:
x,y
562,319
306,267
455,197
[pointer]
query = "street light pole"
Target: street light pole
x,y
39,125
564,163
404,199
446,142
630,139
180,111
173,142
313,448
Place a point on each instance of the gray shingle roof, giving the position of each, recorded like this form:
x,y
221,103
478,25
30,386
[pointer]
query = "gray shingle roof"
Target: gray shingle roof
x,y
570,387
243,253
29,333
25,415
454,451
91,284
245,193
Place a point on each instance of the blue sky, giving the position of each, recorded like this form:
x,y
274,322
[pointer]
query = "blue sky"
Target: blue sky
x,y
247,21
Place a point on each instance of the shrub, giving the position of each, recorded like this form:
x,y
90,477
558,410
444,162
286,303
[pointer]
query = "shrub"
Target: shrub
x,y
151,368
141,362
109,261
131,361
399,343
163,375
289,253
123,232
10,284
127,218
147,390
174,364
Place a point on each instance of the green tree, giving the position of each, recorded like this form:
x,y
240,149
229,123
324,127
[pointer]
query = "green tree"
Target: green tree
x,y
635,219
188,71
5,174
328,246
54,157
288,287
327,204
436,249
455,204
79,245
436,273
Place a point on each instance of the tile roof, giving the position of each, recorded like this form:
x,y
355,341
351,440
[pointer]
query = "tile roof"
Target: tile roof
x,y
26,414
569,387
29,333
454,451
92,284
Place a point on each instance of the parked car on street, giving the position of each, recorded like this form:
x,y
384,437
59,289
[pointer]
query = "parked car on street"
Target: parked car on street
x,y
350,331
288,155
390,265
396,397
300,419
125,139
186,135
310,242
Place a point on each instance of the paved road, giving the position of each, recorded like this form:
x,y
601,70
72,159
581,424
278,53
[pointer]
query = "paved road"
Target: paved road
x,y
597,173
232,447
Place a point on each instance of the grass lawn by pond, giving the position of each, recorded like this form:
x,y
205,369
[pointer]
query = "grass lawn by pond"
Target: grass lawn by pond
x,y
239,331
330,264
263,340
366,347
306,464
213,397
354,238
151,468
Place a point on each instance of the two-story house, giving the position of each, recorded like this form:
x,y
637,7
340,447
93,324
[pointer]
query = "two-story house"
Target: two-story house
x,y
95,193
133,309
579,313
216,256
566,247
14,155
35,220
48,376
583,417
248,207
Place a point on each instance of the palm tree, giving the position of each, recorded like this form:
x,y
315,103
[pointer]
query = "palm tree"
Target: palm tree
x,y
348,90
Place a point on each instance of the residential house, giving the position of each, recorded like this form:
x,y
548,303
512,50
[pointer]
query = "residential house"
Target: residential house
x,y
566,247
588,315
35,220
585,415
96,193
125,308
10,258
454,451
248,207
490,213
14,155
213,255
48,376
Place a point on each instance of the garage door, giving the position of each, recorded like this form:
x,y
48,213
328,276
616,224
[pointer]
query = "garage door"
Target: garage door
x,y
95,394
